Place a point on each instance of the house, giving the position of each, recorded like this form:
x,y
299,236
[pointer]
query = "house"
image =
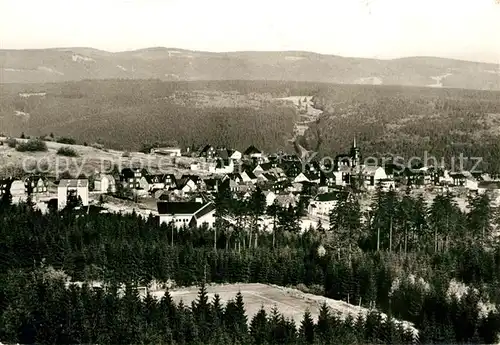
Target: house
x,y
187,186
343,175
237,178
133,178
36,185
351,159
233,155
266,177
182,214
323,204
254,153
373,175
212,185
154,182
471,184
458,178
291,169
208,152
248,177
167,151
264,167
281,185
197,181
5,186
492,188
105,183
285,200
270,197
190,183
169,181
18,191
223,166
72,189
307,177
327,178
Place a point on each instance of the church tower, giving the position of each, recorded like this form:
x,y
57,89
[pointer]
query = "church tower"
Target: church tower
x,y
355,154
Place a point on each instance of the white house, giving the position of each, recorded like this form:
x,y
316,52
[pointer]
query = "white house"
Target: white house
x,y
322,204
182,214
155,182
270,197
301,178
235,155
72,188
471,184
105,184
18,191
373,175
223,167
306,177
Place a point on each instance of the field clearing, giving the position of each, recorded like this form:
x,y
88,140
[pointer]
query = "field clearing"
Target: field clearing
x,y
290,302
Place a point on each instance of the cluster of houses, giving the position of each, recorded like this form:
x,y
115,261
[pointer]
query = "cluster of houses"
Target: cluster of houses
x,y
188,199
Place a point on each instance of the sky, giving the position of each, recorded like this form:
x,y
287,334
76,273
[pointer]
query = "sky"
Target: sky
x,y
462,29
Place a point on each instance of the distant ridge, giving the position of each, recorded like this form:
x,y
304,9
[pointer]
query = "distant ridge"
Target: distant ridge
x,y
78,63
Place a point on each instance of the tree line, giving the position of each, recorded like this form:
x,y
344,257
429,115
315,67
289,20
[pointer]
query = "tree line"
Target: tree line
x,y
357,261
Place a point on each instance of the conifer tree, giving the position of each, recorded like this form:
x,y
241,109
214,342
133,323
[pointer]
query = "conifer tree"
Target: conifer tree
x,y
259,329
324,329
201,312
307,328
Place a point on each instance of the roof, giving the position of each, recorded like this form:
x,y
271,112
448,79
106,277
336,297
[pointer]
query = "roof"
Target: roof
x,y
194,178
250,174
206,148
165,207
311,176
212,182
266,166
130,172
457,175
370,169
489,184
344,168
73,183
101,176
154,178
207,208
223,162
233,176
270,177
251,150
5,183
223,153
327,196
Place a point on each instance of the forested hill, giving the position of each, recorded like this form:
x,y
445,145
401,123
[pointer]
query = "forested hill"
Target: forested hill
x,y
72,64
124,114
408,261
393,121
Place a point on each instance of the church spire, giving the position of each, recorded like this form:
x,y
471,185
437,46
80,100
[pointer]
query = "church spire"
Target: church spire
x,y
354,142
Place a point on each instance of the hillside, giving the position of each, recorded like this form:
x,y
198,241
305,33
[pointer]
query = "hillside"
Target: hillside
x,y
409,122
73,64
88,161
386,120
126,114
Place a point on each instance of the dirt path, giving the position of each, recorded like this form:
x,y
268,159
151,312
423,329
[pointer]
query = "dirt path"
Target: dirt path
x,y
309,114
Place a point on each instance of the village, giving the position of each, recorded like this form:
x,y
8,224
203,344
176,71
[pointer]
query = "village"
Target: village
x,y
187,199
